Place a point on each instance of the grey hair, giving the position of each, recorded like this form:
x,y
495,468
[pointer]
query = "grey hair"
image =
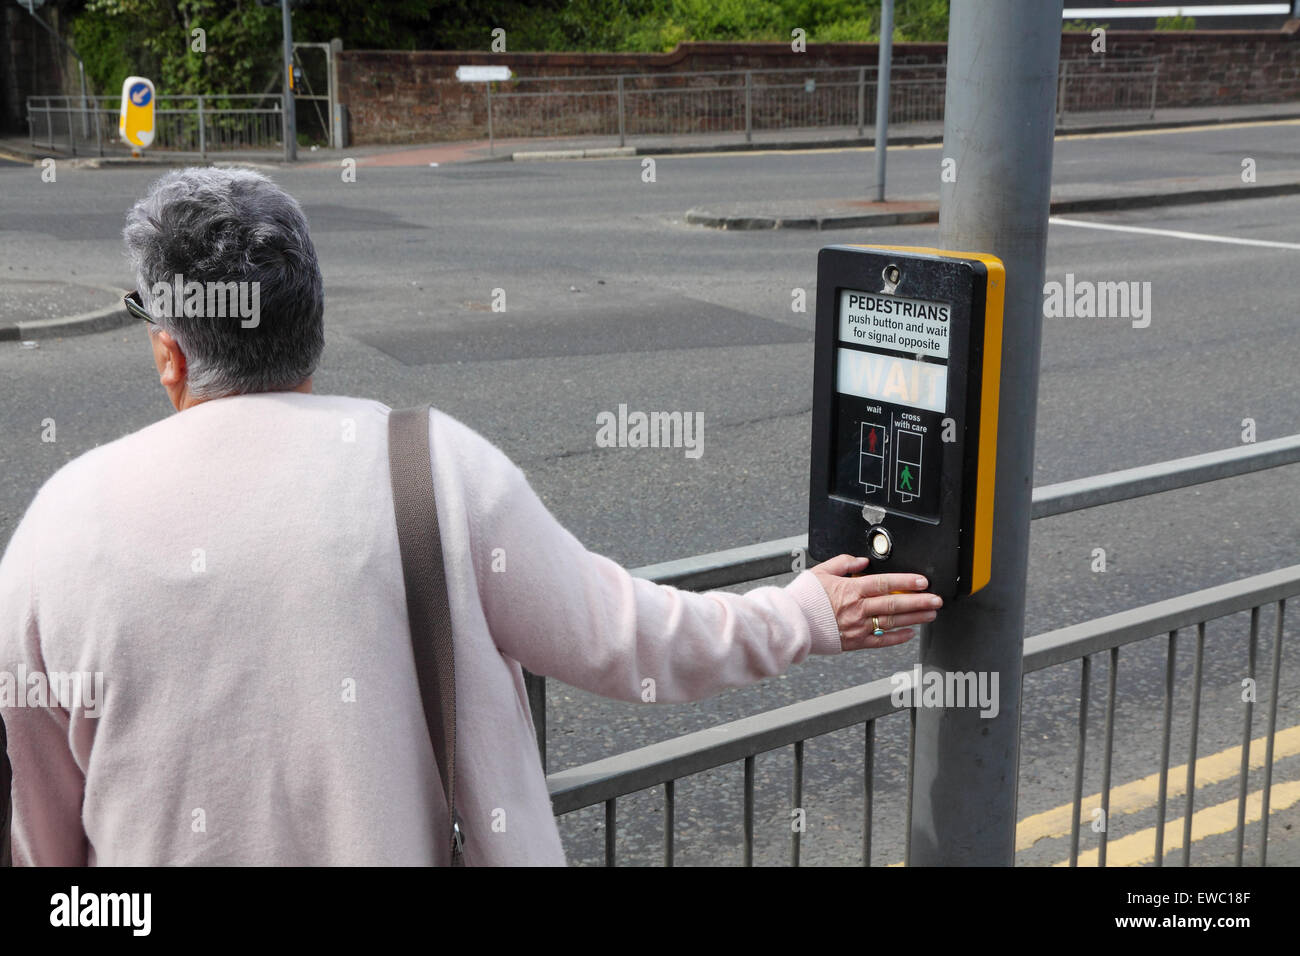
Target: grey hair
x,y
232,225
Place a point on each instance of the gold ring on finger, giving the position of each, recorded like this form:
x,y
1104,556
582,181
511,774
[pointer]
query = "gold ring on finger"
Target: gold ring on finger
x,y
875,622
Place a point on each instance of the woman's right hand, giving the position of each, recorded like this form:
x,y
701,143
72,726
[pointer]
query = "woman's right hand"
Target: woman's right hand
x,y
857,600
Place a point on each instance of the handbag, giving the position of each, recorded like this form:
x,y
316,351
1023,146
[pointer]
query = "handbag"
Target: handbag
x,y
426,606
426,595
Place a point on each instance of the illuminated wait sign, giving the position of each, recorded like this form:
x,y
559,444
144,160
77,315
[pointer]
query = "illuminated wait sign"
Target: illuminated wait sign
x,y
900,381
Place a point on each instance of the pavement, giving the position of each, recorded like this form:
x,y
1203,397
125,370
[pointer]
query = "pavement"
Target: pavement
x,y
37,309
1070,198
55,309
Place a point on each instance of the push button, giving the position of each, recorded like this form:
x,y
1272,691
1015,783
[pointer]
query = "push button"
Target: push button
x,y
880,542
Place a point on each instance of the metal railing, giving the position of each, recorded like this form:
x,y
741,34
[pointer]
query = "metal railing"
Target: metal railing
x,y
715,101
1094,85
616,105
603,782
183,124
740,101
749,101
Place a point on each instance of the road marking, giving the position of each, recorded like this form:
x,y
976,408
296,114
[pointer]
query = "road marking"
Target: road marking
x,y
1237,9
1139,848
1173,233
1144,793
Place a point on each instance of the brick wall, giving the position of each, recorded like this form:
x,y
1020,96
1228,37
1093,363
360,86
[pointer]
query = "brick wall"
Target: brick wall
x,y
1204,67
413,96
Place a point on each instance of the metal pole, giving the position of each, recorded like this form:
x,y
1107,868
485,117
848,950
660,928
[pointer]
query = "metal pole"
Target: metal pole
x,y
1063,80
85,122
331,90
99,131
203,137
336,110
491,138
749,120
998,126
290,120
621,123
882,93
862,98
1155,79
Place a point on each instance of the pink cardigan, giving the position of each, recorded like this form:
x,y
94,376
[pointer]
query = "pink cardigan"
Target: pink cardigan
x,y
232,574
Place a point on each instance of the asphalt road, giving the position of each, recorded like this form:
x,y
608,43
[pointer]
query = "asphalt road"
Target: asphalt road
x,y
612,300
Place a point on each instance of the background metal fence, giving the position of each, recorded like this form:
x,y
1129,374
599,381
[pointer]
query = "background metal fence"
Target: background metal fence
x,y
185,124
721,101
604,782
1096,85
616,105
749,101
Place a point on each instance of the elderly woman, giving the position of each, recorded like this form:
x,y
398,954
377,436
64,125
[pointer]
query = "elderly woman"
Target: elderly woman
x,y
233,575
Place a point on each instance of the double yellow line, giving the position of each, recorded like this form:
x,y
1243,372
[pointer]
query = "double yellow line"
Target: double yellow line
x,y
1138,848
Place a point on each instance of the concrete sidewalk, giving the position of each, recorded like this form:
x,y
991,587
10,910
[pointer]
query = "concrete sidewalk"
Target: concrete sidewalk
x,y
35,309
1066,199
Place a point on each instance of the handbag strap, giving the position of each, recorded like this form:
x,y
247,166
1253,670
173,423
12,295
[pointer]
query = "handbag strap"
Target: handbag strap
x,y
6,783
426,594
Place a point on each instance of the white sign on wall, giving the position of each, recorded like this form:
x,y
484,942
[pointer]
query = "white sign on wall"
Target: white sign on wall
x,y
482,74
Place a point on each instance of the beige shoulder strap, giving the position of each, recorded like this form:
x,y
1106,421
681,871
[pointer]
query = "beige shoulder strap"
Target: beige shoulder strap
x,y
426,594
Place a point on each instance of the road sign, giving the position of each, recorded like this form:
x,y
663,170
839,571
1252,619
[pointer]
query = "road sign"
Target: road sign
x,y
482,74
135,120
905,406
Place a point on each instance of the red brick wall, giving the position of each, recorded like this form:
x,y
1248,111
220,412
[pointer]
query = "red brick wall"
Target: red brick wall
x,y
396,96
1203,67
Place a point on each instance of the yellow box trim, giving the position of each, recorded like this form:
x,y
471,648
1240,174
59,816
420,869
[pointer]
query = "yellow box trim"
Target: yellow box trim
x,y
987,461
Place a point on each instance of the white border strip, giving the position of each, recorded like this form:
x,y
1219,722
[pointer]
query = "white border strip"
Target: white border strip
x,y
1191,10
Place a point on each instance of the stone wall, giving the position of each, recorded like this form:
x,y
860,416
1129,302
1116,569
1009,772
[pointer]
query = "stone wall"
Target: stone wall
x,y
30,65
413,96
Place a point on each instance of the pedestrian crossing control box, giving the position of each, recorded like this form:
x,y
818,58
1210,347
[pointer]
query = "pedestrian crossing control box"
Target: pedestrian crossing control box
x,y
908,350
